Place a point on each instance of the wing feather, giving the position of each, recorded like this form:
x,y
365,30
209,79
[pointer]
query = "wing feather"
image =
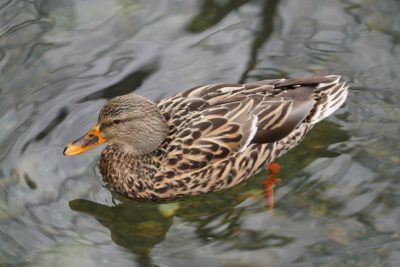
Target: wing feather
x,y
213,122
215,134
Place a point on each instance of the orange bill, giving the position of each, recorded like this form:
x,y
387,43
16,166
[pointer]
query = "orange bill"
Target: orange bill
x,y
90,140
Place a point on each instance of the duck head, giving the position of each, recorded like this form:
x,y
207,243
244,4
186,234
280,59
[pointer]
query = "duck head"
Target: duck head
x,y
131,121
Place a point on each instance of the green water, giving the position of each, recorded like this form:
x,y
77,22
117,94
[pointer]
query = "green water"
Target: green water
x,y
338,203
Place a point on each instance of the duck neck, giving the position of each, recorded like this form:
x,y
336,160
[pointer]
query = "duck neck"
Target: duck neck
x,y
126,173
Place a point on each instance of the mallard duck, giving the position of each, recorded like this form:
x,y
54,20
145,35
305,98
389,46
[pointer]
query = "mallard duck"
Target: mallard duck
x,y
207,138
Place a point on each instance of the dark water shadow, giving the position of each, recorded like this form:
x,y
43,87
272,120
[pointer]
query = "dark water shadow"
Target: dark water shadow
x,y
127,85
212,12
136,226
261,36
313,147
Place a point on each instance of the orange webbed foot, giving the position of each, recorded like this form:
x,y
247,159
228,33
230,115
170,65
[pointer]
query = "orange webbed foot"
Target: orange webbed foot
x,y
269,183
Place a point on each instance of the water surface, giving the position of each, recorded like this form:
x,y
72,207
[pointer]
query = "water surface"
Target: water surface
x,y
338,203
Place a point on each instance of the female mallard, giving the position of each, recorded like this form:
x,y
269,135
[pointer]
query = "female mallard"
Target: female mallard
x,y
208,138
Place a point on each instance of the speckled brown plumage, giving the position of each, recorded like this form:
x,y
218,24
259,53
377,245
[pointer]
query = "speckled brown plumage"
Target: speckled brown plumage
x,y
219,135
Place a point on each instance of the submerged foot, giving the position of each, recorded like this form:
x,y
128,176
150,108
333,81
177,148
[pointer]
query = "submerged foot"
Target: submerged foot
x,y
269,183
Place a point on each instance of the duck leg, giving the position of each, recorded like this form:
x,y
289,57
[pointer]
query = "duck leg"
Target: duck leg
x,y
269,183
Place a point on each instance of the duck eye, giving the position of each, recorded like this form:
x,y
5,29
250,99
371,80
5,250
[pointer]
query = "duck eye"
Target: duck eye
x,y
116,121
